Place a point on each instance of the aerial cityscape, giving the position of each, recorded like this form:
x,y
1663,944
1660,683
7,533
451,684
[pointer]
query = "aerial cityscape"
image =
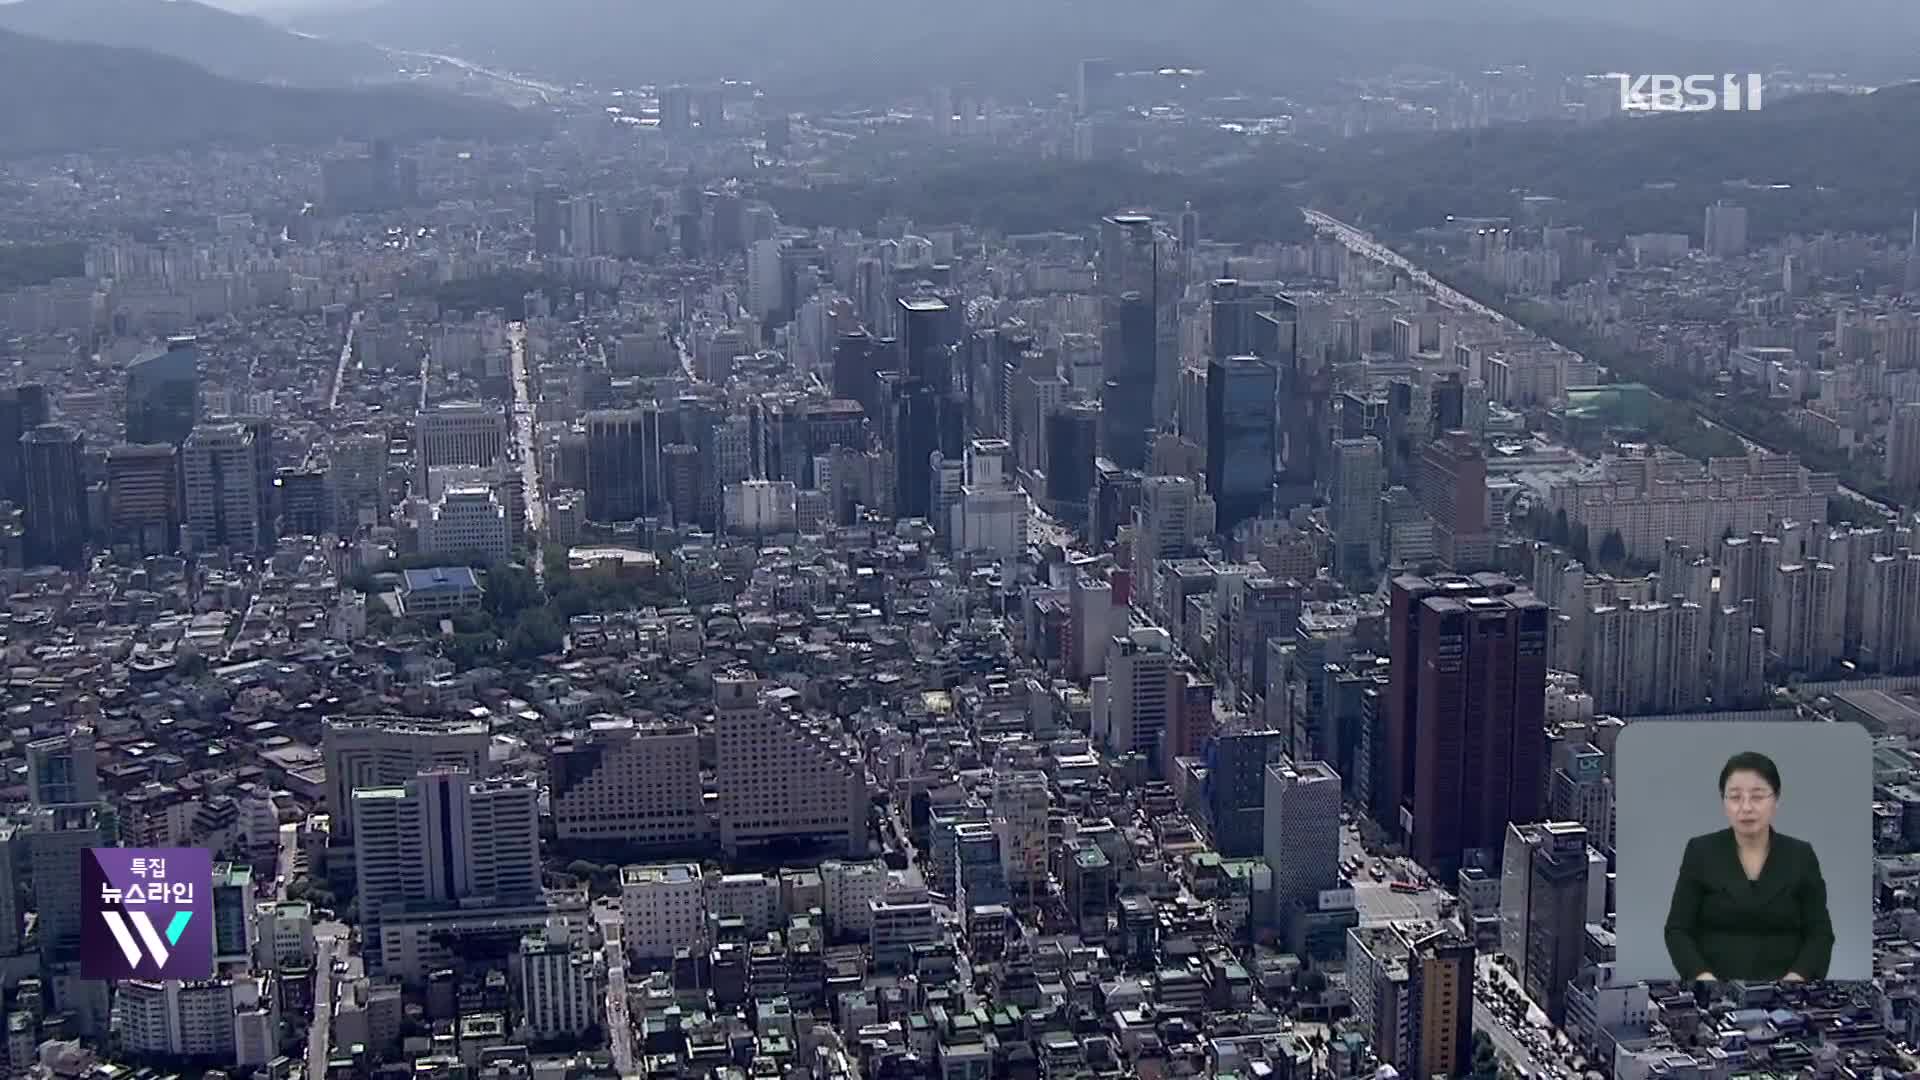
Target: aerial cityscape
x,y
841,541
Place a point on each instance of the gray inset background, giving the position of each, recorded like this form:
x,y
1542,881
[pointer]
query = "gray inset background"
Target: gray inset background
x,y
1666,791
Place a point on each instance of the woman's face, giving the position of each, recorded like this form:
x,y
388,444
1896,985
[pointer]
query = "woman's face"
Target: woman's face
x,y
1749,802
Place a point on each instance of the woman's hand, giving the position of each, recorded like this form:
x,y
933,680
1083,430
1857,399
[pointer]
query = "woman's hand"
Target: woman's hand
x,y
1705,976
1793,977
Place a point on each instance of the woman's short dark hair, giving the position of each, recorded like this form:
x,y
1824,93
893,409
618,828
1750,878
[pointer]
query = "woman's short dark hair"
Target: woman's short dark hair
x,y
1754,762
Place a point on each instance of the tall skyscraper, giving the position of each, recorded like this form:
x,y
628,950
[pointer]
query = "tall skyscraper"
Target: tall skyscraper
x,y
1233,308
1440,1003
856,368
1453,492
926,354
163,393
1302,834
623,463
1133,703
1546,885
1237,789
1073,438
219,465
1241,443
1353,506
783,775
22,408
143,498
1127,400
916,435
1726,230
441,838
56,494
1479,748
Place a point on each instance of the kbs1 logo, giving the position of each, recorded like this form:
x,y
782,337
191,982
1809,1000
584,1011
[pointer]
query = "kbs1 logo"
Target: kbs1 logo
x,y
1689,93
146,913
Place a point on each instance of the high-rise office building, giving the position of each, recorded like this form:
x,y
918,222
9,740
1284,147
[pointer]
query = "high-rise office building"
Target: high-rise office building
x,y
1232,310
442,838
163,393
783,775
1073,443
1440,1003
1725,234
1478,679
1547,878
219,466
143,498
1353,506
57,835
459,433
1237,789
385,751
676,108
61,769
550,218
56,496
623,463
465,522
1133,703
1241,437
916,434
926,352
1129,357
561,985
357,476
857,360
1302,835
628,783
1453,492
22,408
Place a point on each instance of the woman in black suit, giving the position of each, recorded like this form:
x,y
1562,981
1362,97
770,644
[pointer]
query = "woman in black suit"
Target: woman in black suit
x,y
1750,903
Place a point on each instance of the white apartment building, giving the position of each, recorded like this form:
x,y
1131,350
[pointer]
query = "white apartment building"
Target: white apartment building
x,y
901,919
663,908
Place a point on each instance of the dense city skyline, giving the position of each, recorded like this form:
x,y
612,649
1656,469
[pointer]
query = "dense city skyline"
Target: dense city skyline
x,y
647,542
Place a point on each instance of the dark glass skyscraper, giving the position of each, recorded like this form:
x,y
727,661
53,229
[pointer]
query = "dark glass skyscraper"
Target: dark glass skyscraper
x,y
917,434
623,463
1241,443
56,497
1127,404
163,394
22,408
1073,437
1468,686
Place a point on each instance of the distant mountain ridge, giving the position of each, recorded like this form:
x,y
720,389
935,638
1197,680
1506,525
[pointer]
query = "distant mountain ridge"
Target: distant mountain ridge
x,y
1801,164
1008,45
63,97
227,44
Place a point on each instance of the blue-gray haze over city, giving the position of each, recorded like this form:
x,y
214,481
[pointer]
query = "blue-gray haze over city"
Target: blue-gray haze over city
x,y
1017,541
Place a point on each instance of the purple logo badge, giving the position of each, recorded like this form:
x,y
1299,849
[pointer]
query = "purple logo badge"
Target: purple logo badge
x,y
147,913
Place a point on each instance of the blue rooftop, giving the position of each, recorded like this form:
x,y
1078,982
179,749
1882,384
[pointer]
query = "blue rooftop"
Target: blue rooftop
x,y
441,577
